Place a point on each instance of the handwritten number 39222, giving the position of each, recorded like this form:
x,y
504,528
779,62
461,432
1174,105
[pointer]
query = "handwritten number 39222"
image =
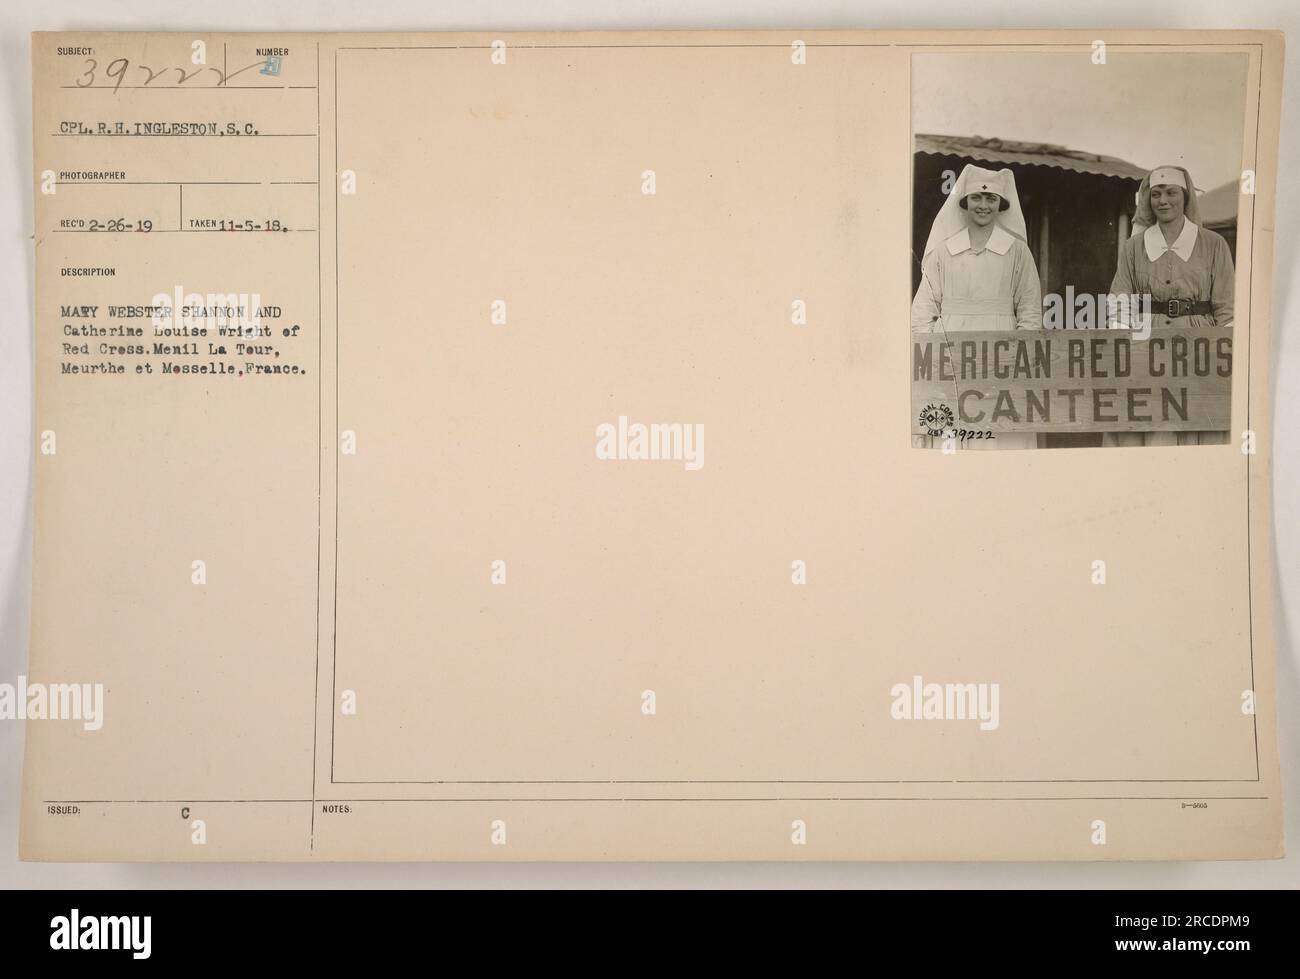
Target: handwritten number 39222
x,y
118,68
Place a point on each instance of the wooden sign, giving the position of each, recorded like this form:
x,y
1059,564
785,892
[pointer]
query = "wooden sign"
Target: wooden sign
x,y
1172,380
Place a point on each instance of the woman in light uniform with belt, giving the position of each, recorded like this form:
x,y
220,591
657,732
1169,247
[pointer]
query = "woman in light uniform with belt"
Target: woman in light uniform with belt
x,y
1185,269
977,273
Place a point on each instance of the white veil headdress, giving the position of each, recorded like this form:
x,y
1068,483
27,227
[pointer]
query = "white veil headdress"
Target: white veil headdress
x,y
952,218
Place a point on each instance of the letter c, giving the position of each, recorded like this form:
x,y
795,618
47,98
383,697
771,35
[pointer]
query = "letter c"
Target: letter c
x,y
961,407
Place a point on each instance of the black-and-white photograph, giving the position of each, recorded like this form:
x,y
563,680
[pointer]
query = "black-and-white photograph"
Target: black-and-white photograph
x,y
1074,238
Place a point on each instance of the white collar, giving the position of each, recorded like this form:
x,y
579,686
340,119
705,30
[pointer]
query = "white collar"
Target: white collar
x,y
999,241
1154,240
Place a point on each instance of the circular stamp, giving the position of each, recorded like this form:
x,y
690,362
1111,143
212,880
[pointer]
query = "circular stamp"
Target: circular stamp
x,y
936,419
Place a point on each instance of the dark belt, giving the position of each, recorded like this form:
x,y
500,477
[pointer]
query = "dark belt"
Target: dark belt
x,y
1174,308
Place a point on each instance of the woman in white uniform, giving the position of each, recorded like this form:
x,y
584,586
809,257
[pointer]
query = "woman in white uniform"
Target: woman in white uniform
x,y
977,273
1184,268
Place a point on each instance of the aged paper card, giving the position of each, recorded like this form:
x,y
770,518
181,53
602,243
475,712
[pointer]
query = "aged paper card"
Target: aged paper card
x,y
554,446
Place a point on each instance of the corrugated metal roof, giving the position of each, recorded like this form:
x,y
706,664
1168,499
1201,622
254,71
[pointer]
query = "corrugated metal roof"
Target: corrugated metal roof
x,y
994,150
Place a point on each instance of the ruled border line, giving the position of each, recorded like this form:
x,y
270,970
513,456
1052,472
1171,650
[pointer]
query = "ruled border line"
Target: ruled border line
x,y
911,49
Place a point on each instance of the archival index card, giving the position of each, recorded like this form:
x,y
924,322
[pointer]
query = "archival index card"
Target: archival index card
x,y
545,446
